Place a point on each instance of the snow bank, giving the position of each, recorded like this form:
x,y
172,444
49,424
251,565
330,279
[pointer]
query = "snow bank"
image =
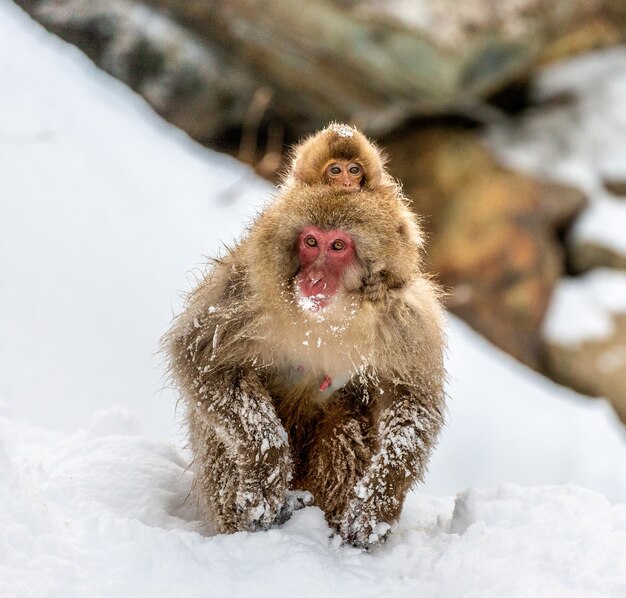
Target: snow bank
x,y
582,142
94,244
103,210
507,423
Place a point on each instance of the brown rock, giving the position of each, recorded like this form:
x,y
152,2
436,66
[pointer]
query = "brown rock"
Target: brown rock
x,y
372,63
493,243
616,187
602,30
596,368
585,256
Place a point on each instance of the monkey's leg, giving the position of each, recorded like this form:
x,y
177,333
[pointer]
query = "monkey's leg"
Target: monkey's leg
x,y
406,430
337,459
242,461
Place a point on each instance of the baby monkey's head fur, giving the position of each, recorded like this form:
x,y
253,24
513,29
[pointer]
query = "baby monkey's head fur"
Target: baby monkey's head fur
x,y
336,142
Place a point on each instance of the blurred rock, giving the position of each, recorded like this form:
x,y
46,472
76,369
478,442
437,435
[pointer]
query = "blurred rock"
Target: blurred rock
x,y
595,367
370,62
192,83
616,187
493,241
585,256
603,29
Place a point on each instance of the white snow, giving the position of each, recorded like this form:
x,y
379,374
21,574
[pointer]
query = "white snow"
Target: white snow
x,y
103,208
582,308
507,423
341,130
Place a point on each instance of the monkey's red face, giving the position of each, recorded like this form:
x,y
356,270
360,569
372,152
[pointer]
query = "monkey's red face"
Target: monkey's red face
x,y
347,175
325,256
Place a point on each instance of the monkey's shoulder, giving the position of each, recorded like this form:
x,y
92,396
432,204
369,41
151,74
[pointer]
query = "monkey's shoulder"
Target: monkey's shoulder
x,y
411,321
217,306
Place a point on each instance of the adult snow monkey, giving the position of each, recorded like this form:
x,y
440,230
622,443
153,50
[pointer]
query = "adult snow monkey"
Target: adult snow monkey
x,y
311,358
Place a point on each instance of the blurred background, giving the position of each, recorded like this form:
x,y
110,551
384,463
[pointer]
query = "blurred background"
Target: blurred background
x,y
504,120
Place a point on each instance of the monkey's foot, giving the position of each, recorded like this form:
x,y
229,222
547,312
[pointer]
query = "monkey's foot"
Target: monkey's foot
x,y
258,509
294,501
254,515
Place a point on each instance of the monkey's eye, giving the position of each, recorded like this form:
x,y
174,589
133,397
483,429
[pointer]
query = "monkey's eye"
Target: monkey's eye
x,y
354,169
337,245
334,169
311,241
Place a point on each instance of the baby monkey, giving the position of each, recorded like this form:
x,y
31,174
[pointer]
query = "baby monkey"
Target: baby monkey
x,y
339,156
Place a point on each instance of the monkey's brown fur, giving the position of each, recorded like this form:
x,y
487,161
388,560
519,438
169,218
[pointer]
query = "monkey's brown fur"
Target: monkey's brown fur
x,y
249,359
337,142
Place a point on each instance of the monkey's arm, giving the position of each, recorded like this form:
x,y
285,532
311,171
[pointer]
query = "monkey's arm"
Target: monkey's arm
x,y
405,432
242,461
339,455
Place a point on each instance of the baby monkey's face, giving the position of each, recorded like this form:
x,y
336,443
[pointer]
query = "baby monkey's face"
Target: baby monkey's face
x,y
345,174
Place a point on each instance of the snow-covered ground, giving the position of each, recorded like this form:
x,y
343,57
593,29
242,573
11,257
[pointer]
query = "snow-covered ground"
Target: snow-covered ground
x,y
103,211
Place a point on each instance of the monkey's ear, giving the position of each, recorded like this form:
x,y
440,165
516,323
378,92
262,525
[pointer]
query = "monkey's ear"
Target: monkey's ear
x,y
303,169
374,176
373,162
309,156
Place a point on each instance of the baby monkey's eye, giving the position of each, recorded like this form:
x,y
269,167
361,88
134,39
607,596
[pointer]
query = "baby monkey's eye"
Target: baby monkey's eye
x,y
334,169
354,169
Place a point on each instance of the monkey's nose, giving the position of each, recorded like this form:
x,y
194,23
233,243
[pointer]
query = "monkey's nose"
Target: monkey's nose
x,y
315,277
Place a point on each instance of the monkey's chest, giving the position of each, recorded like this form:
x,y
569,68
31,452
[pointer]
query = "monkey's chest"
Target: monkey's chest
x,y
316,356
297,383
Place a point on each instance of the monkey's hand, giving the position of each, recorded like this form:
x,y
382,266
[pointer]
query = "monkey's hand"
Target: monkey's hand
x,y
406,431
295,500
247,464
374,289
371,512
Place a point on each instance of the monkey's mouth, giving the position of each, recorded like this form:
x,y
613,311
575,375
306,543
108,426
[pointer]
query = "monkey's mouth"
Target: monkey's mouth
x,y
316,290
313,302
313,294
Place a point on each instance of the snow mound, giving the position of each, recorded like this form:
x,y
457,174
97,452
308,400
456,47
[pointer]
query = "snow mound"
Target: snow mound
x,y
107,516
